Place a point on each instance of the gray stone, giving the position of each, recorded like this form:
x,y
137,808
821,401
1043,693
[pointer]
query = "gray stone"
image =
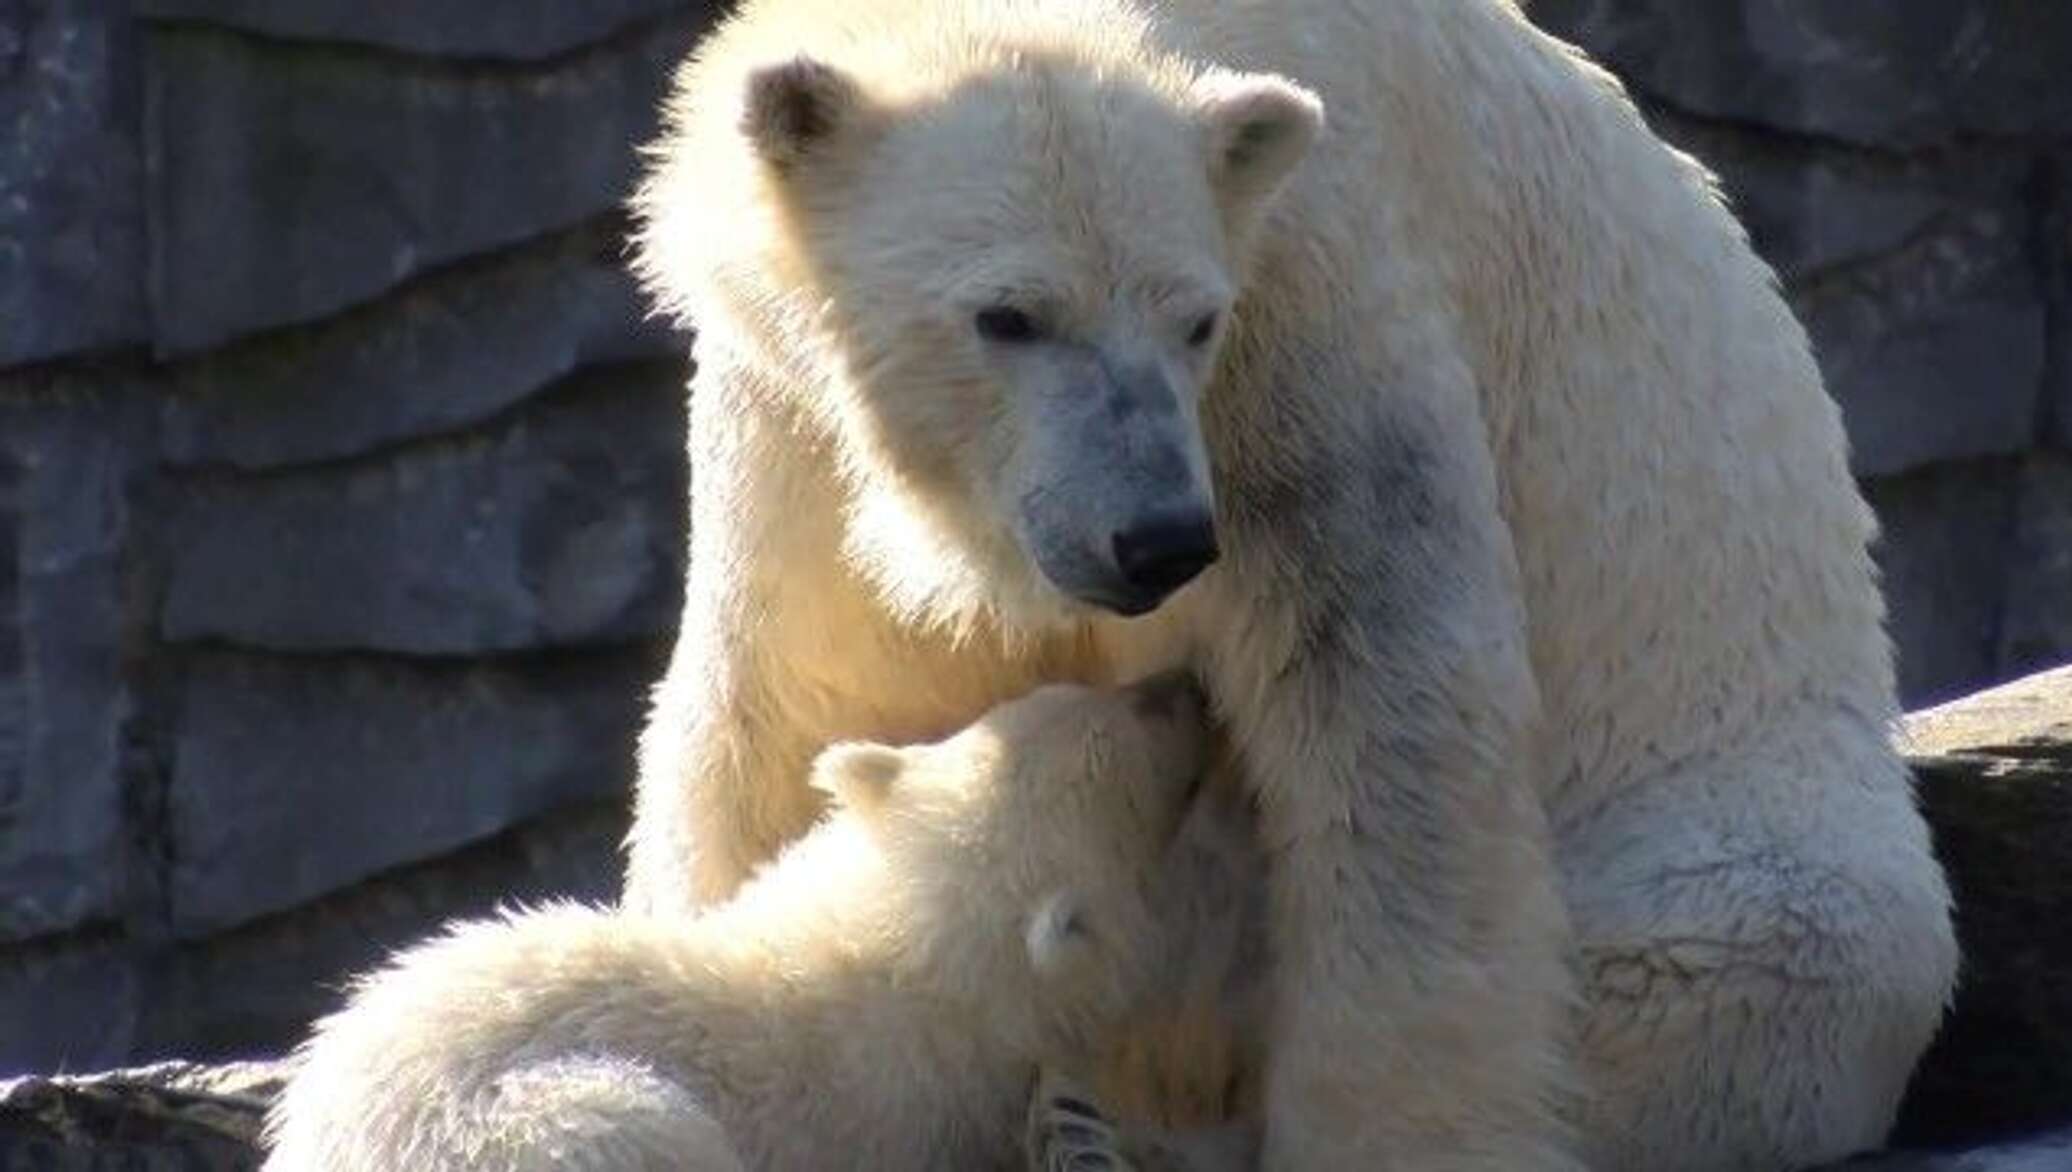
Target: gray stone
x,y
2036,626
2024,723
2055,252
287,182
483,28
1994,775
174,1117
69,1004
1943,554
1814,205
1899,73
71,216
449,351
2047,1152
292,778
1916,278
564,525
256,989
66,451
1936,350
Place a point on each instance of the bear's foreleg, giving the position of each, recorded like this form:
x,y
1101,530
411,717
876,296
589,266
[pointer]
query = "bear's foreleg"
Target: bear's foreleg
x,y
722,784
1374,674
724,753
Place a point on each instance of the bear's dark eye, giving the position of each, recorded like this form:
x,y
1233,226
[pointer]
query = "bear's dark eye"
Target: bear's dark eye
x,y
1204,328
1004,324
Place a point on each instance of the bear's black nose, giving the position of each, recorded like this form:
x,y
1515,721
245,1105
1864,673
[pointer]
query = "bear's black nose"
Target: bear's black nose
x,y
1163,553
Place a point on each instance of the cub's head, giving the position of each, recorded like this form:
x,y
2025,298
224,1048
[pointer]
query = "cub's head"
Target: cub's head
x,y
1000,267
1031,847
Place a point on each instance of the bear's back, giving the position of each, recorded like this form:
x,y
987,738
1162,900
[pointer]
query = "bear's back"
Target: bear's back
x,y
1692,547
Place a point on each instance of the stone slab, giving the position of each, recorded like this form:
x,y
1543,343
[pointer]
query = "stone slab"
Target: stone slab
x,y
1943,557
1898,74
518,29
2036,625
173,1117
1916,276
296,777
447,351
2049,1151
564,525
1936,350
71,211
1813,206
1995,779
69,1004
68,448
2026,716
287,182
255,989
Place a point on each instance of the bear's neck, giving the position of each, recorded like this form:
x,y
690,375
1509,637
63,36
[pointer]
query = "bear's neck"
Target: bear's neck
x,y
823,940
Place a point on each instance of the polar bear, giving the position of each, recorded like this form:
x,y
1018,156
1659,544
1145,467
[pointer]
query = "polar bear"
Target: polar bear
x,y
878,997
1372,358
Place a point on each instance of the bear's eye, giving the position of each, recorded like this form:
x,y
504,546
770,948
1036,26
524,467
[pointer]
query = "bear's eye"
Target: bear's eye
x,y
1204,328
1002,323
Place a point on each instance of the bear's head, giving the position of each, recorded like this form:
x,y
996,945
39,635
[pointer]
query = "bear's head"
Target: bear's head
x,y
1030,849
997,270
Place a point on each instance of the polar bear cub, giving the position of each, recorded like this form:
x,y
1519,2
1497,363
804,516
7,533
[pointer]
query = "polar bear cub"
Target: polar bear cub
x,y
877,997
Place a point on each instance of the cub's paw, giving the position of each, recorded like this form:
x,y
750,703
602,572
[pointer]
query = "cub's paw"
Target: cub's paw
x,y
1067,1132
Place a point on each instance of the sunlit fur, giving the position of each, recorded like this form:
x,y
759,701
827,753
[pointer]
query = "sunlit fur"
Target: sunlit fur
x,y
877,998
1544,623
856,287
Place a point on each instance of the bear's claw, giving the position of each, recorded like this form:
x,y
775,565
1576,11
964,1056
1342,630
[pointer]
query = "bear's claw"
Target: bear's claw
x,y
1067,1133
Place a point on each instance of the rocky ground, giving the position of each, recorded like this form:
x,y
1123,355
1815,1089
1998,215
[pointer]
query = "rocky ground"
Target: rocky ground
x,y
1993,1095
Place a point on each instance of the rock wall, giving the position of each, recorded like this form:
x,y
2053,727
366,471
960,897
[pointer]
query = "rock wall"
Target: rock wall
x,y
341,493
340,478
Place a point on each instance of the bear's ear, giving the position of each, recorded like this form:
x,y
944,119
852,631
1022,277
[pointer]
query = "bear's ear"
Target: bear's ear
x,y
1059,934
1258,128
794,108
857,775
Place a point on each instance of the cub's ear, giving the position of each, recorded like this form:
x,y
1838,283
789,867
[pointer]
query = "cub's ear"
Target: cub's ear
x,y
797,107
1059,935
1258,127
858,776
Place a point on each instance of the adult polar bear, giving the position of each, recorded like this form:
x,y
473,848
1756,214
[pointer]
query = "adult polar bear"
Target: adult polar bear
x,y
1543,619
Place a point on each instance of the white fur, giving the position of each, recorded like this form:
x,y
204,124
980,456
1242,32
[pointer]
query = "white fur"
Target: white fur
x,y
1544,622
878,997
